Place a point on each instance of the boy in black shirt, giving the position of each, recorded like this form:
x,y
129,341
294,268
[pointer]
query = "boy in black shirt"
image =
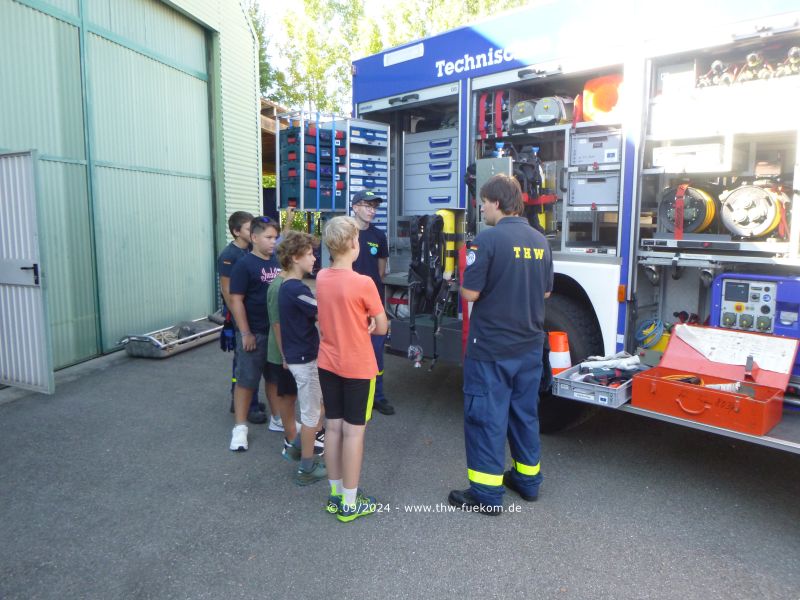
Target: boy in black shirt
x,y
299,344
371,261
250,279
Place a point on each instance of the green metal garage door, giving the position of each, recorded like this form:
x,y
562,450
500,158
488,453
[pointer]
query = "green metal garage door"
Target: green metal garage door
x,y
113,94
151,155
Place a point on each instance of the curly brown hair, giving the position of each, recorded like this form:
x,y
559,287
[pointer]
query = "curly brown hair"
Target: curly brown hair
x,y
293,245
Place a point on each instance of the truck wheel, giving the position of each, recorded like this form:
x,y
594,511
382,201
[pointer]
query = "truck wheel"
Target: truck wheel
x,y
577,320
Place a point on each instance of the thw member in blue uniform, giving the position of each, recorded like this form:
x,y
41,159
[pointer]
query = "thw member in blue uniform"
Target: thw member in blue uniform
x,y
508,276
371,261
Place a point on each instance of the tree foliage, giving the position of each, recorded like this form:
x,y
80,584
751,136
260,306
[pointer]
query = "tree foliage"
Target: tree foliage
x,y
322,38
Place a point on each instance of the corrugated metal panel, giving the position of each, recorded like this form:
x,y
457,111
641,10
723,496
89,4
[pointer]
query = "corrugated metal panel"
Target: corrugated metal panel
x,y
239,104
67,258
69,7
154,250
25,358
40,89
152,25
146,114
206,12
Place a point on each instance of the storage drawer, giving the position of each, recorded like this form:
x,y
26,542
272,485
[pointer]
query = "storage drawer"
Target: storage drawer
x,y
425,201
380,190
430,145
431,156
600,148
436,134
597,188
366,135
439,166
372,167
431,180
369,182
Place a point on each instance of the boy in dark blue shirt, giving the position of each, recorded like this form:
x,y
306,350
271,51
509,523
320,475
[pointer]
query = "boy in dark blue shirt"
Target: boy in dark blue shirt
x,y
299,342
250,279
239,226
371,261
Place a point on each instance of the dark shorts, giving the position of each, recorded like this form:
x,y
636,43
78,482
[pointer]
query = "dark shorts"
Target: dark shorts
x,y
348,399
251,366
283,378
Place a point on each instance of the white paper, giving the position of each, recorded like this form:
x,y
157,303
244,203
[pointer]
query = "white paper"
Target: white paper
x,y
733,347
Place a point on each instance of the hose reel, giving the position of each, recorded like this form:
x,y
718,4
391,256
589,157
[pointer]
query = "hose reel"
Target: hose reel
x,y
751,211
698,213
522,114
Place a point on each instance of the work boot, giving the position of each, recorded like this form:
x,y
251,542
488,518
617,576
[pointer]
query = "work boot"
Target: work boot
x,y
384,407
464,500
508,481
256,417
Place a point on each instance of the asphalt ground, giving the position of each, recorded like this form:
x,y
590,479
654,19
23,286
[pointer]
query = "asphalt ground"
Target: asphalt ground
x,y
121,485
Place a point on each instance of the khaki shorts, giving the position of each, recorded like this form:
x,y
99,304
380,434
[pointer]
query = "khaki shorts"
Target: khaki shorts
x,y
309,393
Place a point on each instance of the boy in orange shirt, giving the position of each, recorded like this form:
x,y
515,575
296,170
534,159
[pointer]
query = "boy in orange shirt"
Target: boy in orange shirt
x,y
350,309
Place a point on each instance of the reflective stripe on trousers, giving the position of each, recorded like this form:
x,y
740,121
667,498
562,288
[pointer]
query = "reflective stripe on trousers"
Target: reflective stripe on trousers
x,y
501,402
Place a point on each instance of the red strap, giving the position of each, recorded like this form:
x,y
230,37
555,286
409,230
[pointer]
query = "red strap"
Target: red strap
x,y
679,206
783,226
541,200
577,110
482,116
498,113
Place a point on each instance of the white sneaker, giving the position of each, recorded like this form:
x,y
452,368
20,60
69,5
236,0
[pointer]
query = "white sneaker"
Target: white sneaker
x,y
275,423
239,438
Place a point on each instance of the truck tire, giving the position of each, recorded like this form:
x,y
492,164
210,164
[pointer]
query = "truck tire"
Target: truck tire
x,y
563,313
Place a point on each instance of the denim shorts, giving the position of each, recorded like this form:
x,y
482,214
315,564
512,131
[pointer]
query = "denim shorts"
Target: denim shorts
x,y
251,366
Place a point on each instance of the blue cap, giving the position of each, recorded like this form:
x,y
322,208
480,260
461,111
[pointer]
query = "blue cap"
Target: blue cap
x,y
366,196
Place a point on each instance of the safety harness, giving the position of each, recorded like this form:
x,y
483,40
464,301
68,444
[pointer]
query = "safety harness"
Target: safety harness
x,y
427,289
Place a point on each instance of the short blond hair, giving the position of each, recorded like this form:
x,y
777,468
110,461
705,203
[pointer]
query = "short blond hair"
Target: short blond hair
x,y
338,233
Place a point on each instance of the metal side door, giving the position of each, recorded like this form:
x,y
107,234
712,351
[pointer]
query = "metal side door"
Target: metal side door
x,y
26,359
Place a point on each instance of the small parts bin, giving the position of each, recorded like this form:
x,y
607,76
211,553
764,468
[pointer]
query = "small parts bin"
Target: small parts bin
x,y
601,395
753,413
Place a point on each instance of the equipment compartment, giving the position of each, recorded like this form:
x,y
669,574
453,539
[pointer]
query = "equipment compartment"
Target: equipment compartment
x,y
591,148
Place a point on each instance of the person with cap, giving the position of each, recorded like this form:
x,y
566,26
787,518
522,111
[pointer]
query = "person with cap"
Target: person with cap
x,y
371,261
508,265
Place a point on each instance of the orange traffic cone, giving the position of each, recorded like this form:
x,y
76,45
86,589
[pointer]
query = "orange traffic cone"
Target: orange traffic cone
x,y
559,352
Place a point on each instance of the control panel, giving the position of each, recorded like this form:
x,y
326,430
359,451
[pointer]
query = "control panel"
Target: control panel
x,y
759,304
748,305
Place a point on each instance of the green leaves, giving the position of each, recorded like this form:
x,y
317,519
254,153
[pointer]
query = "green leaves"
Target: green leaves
x,y
322,38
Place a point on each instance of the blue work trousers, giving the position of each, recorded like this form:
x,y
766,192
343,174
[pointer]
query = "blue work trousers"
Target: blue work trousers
x,y
378,342
501,400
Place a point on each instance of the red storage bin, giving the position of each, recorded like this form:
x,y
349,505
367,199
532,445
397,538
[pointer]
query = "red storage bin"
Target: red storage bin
x,y
729,410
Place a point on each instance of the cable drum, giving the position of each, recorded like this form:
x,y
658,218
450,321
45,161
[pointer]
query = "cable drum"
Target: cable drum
x,y
553,110
699,209
751,211
522,114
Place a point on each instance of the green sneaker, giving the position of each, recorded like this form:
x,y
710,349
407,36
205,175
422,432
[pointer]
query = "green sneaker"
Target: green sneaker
x,y
365,505
334,503
317,473
290,451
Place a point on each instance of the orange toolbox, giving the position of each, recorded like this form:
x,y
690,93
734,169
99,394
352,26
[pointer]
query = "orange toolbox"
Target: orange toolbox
x,y
757,405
